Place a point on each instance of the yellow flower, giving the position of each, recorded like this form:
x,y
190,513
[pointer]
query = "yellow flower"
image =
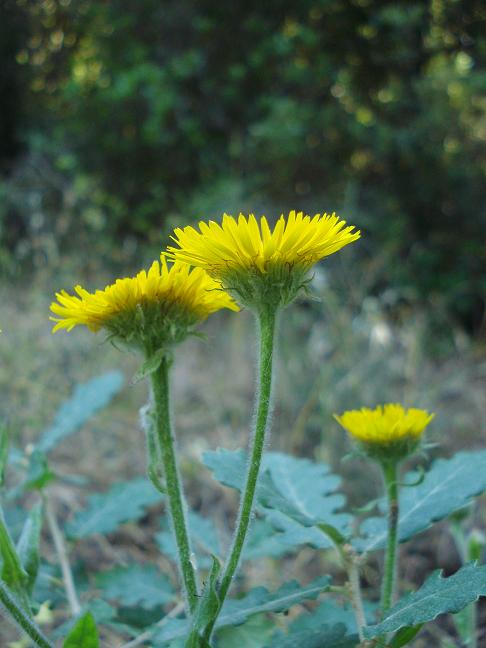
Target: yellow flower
x,y
386,426
238,249
244,243
167,297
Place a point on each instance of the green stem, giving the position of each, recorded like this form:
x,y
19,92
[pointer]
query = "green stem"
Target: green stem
x,y
267,324
21,618
391,485
165,440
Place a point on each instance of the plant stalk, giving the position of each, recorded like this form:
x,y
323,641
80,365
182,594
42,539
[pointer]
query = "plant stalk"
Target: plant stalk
x,y
166,453
62,553
267,324
21,618
351,565
389,577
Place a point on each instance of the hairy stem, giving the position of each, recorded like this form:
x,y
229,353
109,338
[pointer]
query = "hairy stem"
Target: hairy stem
x,y
389,577
267,322
21,618
165,440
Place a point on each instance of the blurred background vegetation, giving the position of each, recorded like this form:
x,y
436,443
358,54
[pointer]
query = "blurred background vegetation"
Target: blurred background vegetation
x,y
122,119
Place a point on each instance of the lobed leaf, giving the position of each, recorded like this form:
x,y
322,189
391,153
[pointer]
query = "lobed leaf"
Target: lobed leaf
x,y
136,586
437,596
258,600
295,494
125,501
86,400
447,487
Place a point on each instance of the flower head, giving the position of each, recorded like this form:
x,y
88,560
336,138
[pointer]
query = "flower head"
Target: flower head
x,y
388,431
153,308
256,262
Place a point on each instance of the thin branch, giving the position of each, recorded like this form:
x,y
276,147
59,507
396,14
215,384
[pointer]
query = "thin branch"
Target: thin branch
x,y
61,549
145,636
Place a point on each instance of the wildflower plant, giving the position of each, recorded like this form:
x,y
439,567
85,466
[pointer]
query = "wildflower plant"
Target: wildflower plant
x,y
153,312
285,502
264,271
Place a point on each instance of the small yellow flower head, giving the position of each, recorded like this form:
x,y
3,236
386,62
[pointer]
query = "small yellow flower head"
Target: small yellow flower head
x,y
152,309
257,264
387,432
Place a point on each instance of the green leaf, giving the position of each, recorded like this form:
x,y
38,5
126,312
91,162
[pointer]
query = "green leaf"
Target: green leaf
x,y
28,546
404,636
3,452
137,585
335,636
13,574
38,473
86,400
258,600
255,633
447,487
84,634
207,608
202,532
294,494
102,613
437,596
105,512
149,366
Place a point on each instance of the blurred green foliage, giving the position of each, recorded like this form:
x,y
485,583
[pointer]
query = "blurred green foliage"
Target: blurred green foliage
x,y
124,118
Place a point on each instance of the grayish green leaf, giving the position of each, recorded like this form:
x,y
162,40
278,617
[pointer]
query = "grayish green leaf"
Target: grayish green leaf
x,y
335,636
105,512
86,400
137,585
258,600
437,596
447,487
263,541
84,634
295,494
